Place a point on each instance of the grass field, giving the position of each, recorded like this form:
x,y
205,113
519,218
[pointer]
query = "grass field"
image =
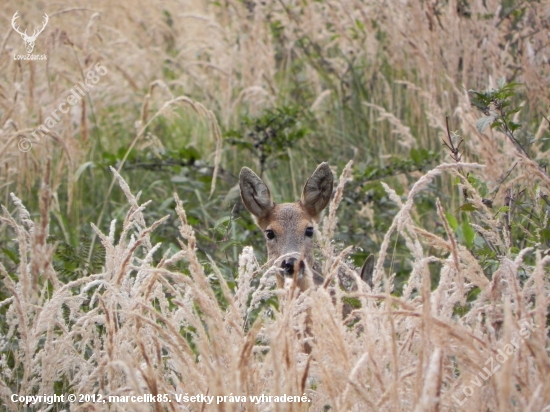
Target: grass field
x,y
129,266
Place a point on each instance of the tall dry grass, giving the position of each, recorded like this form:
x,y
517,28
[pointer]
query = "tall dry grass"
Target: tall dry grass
x,y
140,327
414,60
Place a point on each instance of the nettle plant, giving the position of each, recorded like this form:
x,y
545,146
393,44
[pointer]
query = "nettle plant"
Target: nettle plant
x,y
270,135
488,229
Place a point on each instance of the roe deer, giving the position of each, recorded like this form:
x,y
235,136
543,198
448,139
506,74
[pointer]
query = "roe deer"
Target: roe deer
x,y
289,227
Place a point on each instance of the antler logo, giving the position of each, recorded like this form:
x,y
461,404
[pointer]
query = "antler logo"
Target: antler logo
x,y
29,40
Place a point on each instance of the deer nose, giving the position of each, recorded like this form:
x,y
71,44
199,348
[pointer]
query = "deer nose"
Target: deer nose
x,y
288,266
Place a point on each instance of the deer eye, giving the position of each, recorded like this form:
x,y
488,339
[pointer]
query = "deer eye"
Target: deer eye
x,y
270,234
309,232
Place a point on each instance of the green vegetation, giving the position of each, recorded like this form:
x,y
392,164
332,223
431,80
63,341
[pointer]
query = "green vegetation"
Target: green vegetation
x,y
450,165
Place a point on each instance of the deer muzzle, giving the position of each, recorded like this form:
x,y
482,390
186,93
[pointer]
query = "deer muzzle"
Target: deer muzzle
x,y
291,266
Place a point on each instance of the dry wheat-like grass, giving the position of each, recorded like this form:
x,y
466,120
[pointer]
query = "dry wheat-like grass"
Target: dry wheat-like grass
x,y
141,327
228,59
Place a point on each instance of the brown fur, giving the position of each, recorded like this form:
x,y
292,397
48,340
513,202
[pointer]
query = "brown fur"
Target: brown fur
x,y
290,224
289,229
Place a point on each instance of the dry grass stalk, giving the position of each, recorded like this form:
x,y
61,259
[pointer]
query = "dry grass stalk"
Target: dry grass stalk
x,y
139,328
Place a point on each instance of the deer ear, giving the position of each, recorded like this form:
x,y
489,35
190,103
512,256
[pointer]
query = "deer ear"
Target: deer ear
x,y
255,194
367,270
317,190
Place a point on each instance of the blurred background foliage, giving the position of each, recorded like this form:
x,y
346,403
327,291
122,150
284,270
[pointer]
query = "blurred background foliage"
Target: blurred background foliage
x,y
290,84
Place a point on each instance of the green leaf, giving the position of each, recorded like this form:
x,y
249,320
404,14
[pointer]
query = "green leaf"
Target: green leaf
x,y
82,168
496,123
468,207
189,153
513,126
480,100
230,243
221,225
13,257
452,221
469,233
416,156
483,122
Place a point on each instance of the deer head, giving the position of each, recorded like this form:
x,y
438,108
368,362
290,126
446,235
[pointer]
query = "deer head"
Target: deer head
x,y
288,227
29,40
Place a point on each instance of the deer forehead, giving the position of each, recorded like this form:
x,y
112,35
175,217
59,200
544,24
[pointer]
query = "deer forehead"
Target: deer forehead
x,y
287,217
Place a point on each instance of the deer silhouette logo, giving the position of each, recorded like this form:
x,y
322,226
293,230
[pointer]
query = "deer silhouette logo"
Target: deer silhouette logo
x,y
29,40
